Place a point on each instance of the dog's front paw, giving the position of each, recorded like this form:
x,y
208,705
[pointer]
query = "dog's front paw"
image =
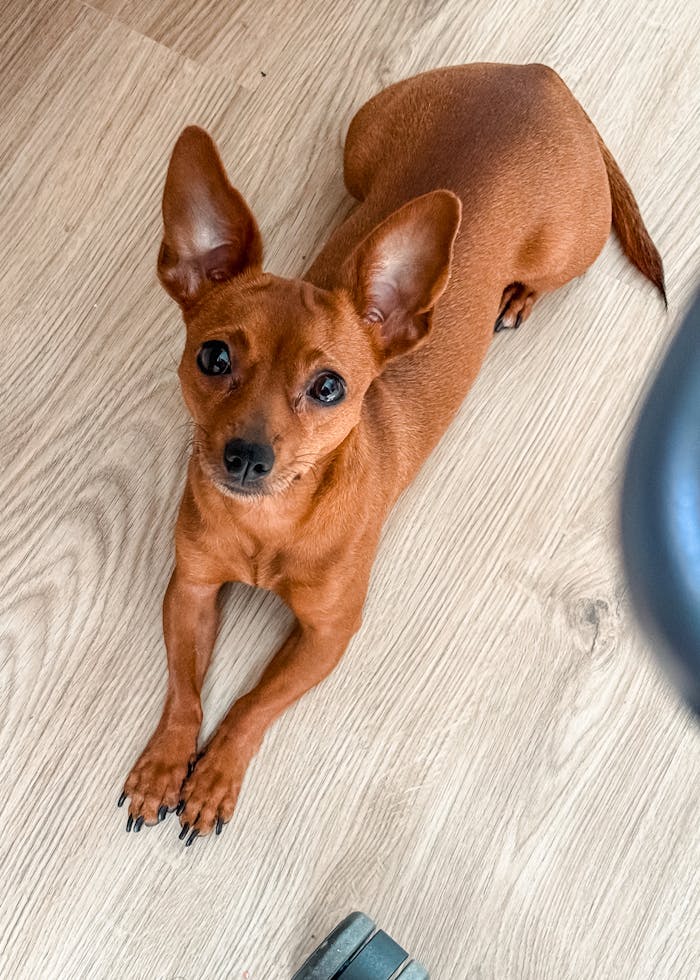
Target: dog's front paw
x,y
211,790
155,782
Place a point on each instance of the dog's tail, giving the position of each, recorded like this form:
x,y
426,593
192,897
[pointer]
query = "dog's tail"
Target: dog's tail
x,y
627,221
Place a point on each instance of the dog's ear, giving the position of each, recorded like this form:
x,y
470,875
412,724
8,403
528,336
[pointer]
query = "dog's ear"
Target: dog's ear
x,y
398,273
210,234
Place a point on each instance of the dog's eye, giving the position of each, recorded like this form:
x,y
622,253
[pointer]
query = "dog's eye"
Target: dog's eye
x,y
328,388
214,358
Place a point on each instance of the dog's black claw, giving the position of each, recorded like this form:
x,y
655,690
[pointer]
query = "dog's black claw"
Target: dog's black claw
x,y
500,325
121,800
180,807
183,832
190,767
129,823
162,813
139,824
219,826
191,838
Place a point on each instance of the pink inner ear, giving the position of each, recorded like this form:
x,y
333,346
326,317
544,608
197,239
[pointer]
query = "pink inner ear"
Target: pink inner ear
x,y
405,270
373,315
383,294
224,262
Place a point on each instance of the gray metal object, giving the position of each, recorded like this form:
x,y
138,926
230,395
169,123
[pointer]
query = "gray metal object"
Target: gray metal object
x,y
357,950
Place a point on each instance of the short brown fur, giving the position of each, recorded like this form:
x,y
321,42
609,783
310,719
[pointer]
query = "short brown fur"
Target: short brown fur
x,y
479,189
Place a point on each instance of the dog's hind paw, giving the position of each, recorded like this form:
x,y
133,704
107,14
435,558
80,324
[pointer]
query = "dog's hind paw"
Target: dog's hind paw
x,y
516,305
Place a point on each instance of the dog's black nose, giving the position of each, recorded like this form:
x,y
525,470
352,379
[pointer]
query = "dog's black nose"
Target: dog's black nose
x,y
248,462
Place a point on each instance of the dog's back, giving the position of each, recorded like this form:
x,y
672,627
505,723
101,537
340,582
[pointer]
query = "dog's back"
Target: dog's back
x,y
534,179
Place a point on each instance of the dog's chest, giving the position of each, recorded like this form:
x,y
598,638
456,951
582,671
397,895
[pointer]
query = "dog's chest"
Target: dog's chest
x,y
257,563
265,569
265,548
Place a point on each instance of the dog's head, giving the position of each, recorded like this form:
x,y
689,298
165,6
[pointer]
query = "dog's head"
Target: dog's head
x,y
275,371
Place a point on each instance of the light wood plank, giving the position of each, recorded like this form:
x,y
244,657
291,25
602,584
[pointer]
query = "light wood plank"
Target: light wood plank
x,y
496,772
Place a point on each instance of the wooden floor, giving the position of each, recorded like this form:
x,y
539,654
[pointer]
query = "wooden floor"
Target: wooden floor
x,y
496,772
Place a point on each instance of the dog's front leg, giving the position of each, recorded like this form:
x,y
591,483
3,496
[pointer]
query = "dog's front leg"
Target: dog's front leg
x,y
190,621
309,654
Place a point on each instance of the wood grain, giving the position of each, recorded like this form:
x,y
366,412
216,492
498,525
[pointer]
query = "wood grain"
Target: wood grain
x,y
496,772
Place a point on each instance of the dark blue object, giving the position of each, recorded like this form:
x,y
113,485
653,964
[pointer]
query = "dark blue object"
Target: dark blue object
x,y
380,954
661,511
357,950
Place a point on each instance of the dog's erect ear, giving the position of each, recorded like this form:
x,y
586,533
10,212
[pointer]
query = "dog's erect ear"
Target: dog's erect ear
x,y
398,273
209,235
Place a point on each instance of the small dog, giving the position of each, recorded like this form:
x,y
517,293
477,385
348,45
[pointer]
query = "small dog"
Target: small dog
x,y
316,400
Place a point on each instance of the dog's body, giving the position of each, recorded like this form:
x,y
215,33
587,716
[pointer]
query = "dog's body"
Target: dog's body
x,y
509,151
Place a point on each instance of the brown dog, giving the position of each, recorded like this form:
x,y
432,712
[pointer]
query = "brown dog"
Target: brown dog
x,y
316,400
